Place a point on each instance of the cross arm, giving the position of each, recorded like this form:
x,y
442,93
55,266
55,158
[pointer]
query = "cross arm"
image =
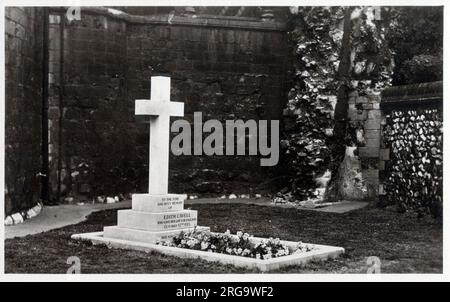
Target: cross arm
x,y
155,108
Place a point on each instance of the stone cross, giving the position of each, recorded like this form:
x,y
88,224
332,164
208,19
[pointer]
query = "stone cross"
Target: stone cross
x,y
160,109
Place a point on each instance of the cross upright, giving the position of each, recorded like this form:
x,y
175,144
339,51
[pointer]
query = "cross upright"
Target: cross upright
x,y
160,109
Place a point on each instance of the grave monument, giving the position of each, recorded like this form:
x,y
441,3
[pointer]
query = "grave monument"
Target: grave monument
x,y
157,215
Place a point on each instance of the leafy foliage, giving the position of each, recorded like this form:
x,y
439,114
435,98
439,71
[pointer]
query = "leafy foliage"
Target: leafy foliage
x,y
416,37
422,68
316,52
372,59
309,144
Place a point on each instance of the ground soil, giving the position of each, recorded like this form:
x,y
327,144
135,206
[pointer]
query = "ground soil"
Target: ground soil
x,y
403,243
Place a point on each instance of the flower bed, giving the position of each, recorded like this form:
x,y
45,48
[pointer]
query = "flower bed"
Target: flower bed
x,y
227,249
241,244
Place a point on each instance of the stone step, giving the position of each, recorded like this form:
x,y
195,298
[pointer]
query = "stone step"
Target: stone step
x,y
157,221
115,232
158,203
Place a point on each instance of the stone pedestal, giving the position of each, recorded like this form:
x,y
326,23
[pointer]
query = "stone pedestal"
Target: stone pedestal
x,y
153,218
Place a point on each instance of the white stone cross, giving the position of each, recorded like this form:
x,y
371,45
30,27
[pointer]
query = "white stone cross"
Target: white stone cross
x,y
160,109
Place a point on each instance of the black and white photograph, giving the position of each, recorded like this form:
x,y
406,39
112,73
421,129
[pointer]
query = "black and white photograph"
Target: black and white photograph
x,y
223,140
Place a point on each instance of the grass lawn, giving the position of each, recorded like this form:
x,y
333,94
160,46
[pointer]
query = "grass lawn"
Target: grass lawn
x,y
404,243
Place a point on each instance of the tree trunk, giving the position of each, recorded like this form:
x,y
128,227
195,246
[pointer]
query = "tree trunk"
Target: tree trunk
x,y
341,110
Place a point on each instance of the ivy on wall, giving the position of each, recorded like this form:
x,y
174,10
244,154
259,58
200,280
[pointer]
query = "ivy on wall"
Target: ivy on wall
x,y
310,145
305,143
372,59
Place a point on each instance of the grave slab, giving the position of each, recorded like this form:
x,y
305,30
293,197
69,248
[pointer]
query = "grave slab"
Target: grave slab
x,y
157,221
158,203
115,232
320,252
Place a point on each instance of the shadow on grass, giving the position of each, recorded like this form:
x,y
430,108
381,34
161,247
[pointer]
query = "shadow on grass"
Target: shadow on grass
x,y
403,243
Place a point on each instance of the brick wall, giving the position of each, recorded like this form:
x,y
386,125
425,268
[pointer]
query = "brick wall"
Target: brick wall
x,y
23,82
227,69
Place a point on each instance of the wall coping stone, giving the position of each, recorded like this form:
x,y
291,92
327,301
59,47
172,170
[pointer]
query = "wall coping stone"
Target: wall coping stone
x,y
415,94
199,21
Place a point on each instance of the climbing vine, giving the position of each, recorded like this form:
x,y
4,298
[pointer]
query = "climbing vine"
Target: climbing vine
x,y
372,59
317,35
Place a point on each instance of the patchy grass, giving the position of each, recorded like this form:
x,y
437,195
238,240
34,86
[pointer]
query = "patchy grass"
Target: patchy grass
x,y
404,243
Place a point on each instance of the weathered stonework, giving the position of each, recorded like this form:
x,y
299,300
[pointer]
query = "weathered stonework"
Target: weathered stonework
x,y
365,115
402,180
88,112
368,114
225,68
23,82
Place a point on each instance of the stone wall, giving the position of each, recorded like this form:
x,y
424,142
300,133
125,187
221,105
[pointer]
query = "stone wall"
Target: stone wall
x,y
393,150
23,82
225,68
88,113
365,117
412,135
225,73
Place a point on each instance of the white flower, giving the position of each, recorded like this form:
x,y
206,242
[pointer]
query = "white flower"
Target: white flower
x,y
239,234
239,251
281,253
192,242
310,248
204,245
227,232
